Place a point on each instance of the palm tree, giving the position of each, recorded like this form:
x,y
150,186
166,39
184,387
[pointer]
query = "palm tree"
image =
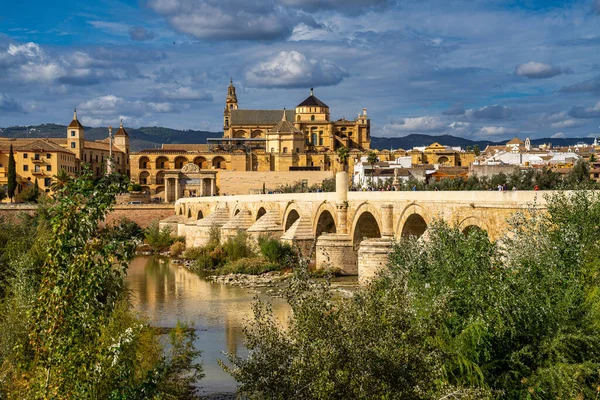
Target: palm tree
x,y
343,153
372,159
60,180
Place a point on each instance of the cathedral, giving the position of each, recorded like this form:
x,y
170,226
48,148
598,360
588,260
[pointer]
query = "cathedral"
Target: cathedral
x,y
302,139
311,118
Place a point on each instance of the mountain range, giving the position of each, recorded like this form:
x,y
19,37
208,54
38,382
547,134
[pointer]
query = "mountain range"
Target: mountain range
x,y
153,137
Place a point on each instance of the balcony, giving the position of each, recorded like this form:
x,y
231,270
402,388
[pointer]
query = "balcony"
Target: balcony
x,y
38,172
38,160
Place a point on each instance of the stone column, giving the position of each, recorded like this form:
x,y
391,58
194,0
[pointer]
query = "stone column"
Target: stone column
x,y
177,188
387,221
212,187
341,197
167,190
373,256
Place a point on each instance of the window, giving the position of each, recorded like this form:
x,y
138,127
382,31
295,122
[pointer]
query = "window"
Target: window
x,y
25,167
47,182
297,150
320,141
73,145
312,117
0,165
313,139
24,155
72,133
36,168
285,149
48,168
96,157
85,157
48,155
36,156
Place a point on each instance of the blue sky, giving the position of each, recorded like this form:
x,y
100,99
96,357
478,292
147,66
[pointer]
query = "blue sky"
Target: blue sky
x,y
485,69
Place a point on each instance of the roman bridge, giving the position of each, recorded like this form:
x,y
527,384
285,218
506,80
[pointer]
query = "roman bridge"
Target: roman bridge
x,y
352,231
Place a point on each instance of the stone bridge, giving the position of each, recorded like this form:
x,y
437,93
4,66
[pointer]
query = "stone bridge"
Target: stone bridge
x,y
351,231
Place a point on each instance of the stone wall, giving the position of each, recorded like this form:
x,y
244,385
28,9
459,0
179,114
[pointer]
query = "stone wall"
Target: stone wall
x,y
141,214
246,182
12,210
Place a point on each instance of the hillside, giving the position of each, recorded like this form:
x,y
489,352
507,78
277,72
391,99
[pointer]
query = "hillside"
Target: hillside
x,y
151,137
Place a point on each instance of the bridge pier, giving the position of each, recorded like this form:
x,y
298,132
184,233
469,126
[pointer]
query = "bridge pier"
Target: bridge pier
x,y
337,252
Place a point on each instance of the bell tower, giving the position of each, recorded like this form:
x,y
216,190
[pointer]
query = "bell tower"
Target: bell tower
x,y
231,104
76,137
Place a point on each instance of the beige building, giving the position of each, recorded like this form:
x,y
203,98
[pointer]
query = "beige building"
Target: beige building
x,y
303,139
42,159
442,155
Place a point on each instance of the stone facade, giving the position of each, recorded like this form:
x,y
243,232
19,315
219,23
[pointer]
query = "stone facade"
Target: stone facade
x,y
337,223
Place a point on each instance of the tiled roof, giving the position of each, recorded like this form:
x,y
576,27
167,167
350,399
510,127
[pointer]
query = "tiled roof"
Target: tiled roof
x,y
312,101
185,147
259,117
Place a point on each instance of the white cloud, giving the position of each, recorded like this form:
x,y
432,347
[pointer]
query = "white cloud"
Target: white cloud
x,y
567,123
537,70
497,130
110,107
185,93
414,125
490,112
558,135
291,69
586,112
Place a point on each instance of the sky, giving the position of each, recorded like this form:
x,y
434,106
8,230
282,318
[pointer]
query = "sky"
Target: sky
x,y
479,69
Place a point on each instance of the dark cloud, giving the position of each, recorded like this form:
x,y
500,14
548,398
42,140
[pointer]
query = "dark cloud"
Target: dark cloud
x,y
491,112
8,104
342,6
140,34
591,85
292,69
456,109
586,112
537,70
230,20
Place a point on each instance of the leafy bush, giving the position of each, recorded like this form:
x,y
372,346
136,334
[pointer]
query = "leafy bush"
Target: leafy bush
x,y
193,253
276,252
176,249
455,316
237,247
248,265
158,239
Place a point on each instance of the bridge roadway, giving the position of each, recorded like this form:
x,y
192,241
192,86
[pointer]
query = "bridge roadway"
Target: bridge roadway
x,y
332,227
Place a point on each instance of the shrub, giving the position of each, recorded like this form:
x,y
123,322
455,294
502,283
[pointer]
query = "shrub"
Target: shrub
x,y
158,239
176,249
193,253
248,265
237,247
276,252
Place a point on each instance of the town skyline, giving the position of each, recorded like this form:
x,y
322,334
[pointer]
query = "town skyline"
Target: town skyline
x,y
477,70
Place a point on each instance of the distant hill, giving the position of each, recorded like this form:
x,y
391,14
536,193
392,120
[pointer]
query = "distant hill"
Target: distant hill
x,y
152,137
141,138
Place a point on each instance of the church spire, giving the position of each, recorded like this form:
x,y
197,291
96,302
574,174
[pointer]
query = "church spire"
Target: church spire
x,y
284,116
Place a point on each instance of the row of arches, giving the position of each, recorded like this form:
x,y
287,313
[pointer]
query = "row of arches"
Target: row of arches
x,y
255,134
365,225
163,162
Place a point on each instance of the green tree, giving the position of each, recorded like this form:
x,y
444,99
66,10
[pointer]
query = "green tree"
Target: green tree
x,y
61,179
592,158
12,175
3,192
579,174
31,194
343,153
476,149
71,332
372,159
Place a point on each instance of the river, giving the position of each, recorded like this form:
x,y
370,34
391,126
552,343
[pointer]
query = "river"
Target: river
x,y
166,293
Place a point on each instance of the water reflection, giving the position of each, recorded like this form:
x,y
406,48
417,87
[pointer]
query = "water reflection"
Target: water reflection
x,y
165,294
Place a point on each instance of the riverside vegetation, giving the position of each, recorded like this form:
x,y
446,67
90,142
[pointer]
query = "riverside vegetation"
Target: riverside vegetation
x,y
67,329
454,316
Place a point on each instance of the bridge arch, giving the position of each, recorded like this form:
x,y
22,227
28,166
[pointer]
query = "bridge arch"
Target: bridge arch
x,y
291,217
366,224
407,213
325,223
199,215
470,223
414,225
261,211
189,213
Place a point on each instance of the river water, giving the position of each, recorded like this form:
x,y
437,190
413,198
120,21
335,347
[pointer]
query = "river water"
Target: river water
x,y
165,293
